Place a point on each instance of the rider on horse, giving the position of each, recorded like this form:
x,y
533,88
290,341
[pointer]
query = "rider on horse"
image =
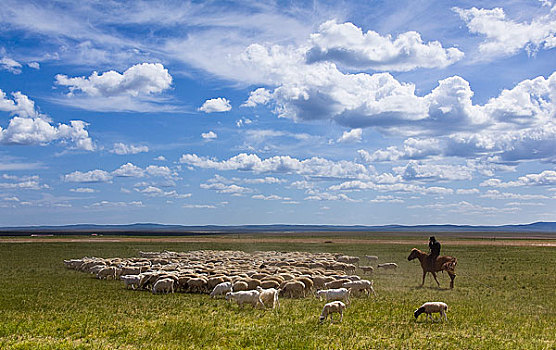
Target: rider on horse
x,y
434,247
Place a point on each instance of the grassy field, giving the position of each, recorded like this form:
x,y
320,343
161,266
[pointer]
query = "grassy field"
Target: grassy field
x,y
505,298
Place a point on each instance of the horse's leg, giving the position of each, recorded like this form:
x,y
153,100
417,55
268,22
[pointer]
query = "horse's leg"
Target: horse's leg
x,y
452,277
424,274
434,275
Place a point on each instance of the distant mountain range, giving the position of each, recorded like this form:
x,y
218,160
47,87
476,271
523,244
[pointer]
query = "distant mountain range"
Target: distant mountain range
x,y
160,229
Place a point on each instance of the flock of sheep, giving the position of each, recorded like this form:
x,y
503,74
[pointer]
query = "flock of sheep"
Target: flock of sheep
x,y
257,278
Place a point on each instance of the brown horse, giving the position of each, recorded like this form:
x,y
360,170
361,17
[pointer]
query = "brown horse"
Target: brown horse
x,y
429,264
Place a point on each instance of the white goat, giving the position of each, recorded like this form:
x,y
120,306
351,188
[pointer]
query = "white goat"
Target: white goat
x,y
221,289
269,297
431,308
360,286
330,308
131,280
252,297
165,285
334,294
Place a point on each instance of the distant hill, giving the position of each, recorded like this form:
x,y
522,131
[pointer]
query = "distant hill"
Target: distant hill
x,y
160,229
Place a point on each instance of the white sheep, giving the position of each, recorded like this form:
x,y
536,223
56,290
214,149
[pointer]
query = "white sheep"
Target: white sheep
x,y
330,308
360,286
165,285
334,294
387,266
252,297
432,307
107,272
131,280
269,297
221,289
371,258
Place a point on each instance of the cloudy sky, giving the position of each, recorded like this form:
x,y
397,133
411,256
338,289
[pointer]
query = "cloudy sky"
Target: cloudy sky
x,y
369,112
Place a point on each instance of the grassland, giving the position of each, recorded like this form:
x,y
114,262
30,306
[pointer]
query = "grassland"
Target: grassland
x,y
505,298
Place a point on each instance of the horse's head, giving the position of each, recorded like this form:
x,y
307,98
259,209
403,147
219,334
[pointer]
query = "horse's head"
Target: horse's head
x,y
414,254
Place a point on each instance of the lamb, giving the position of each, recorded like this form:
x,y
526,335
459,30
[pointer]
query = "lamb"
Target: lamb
x,y
131,280
269,297
432,307
330,308
387,266
360,286
334,294
165,285
221,289
252,297
371,258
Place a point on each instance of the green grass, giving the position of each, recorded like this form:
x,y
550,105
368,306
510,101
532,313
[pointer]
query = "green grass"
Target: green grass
x,y
505,298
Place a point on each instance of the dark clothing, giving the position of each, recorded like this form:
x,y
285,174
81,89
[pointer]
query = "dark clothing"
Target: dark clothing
x,y
434,247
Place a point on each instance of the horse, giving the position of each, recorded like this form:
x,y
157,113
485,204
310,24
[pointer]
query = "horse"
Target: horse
x,y
440,263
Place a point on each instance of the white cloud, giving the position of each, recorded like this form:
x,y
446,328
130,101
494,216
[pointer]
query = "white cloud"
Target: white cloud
x,y
464,191
464,207
545,178
109,204
347,45
155,170
10,65
29,127
34,65
391,187
129,170
154,191
259,96
25,183
507,37
160,158
424,171
495,194
139,80
199,206
315,166
83,190
272,197
354,135
265,180
123,149
386,199
325,196
226,188
211,135
219,104
96,175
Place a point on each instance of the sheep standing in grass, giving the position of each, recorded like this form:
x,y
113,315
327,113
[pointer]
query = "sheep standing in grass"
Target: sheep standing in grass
x,y
107,272
269,297
252,297
387,266
330,308
335,294
356,287
431,308
164,285
131,280
221,289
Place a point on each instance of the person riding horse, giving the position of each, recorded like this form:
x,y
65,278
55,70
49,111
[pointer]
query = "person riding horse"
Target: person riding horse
x,y
434,247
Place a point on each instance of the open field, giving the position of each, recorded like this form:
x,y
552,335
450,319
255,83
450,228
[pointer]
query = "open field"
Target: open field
x,y
505,298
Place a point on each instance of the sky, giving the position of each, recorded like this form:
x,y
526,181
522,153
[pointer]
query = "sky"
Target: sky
x,y
262,112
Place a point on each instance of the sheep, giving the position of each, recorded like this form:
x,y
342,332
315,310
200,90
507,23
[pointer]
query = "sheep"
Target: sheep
x,y
131,280
197,284
330,308
107,272
269,297
293,289
348,259
367,270
371,258
338,294
336,283
267,284
245,297
359,286
240,286
432,307
387,266
221,289
165,285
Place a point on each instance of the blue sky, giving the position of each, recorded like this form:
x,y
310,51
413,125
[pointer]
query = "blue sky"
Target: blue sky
x,y
370,112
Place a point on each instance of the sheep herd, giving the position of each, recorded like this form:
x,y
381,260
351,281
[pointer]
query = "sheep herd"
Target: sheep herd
x,y
258,278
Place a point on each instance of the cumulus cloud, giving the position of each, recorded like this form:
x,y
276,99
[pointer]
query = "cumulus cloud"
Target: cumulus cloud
x,y
315,166
10,65
123,149
226,188
154,191
83,190
22,183
29,127
391,187
272,197
544,178
325,196
495,194
140,79
110,204
213,105
209,136
504,36
128,170
347,45
433,172
354,135
259,96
